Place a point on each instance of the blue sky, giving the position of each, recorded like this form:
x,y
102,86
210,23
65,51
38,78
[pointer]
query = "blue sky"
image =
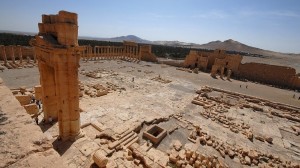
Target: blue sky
x,y
267,24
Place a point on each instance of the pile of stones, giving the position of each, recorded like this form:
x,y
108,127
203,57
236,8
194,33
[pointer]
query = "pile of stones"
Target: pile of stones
x,y
95,90
180,157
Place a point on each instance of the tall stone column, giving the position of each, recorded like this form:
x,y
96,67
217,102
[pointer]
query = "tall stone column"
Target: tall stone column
x,y
95,52
20,54
134,52
90,53
49,99
109,52
68,98
58,68
34,55
4,54
12,54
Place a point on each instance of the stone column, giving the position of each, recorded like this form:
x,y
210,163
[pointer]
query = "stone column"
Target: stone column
x,y
20,54
68,98
134,52
113,52
4,54
34,55
90,53
12,54
49,99
58,68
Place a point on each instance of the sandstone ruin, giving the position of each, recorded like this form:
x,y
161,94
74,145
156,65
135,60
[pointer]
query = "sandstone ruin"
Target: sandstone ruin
x,y
140,114
17,56
130,51
219,62
58,55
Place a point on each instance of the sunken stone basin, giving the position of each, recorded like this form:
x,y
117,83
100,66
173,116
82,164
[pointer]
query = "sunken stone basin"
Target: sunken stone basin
x,y
155,134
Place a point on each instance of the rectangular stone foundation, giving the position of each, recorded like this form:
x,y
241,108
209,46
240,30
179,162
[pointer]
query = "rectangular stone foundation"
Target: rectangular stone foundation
x,y
155,134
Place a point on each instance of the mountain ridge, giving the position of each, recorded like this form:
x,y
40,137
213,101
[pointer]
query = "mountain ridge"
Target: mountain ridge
x,y
229,45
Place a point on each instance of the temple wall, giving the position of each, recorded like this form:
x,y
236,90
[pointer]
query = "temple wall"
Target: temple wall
x,y
269,74
191,59
205,60
146,54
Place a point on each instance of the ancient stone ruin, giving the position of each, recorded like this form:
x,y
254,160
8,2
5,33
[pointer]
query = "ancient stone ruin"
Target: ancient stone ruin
x,y
223,64
143,114
58,56
17,56
130,51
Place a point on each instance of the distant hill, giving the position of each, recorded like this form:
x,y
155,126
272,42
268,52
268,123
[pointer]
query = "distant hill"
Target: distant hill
x,y
229,45
173,49
118,39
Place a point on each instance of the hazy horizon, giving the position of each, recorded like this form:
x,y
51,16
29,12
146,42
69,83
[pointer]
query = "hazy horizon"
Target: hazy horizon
x,y
270,24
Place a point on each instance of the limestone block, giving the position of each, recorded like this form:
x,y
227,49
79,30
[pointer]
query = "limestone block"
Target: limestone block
x,y
38,92
31,108
23,99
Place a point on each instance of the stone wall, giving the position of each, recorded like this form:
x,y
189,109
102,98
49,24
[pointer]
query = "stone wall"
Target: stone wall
x,y
205,60
269,74
146,54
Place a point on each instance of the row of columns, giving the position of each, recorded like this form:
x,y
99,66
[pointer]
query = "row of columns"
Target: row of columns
x,y
13,52
112,52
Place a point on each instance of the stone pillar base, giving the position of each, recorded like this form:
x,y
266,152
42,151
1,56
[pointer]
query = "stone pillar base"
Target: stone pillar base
x,y
73,137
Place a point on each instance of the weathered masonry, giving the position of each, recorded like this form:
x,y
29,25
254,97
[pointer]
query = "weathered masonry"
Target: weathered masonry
x,y
58,55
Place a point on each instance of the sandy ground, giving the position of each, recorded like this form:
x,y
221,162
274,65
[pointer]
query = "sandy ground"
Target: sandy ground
x,y
139,99
29,77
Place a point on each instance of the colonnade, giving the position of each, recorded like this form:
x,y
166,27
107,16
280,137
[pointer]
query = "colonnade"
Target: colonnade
x,y
127,52
10,54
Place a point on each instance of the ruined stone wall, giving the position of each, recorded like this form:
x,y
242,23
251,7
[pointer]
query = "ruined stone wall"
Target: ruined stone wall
x,y
146,54
191,59
229,62
54,24
202,63
270,74
233,62
295,82
206,60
